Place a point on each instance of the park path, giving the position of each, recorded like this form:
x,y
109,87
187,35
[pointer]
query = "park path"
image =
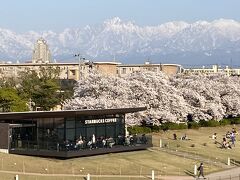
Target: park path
x,y
233,174
229,174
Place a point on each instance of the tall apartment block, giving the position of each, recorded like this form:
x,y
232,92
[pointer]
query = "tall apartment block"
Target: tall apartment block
x,y
41,52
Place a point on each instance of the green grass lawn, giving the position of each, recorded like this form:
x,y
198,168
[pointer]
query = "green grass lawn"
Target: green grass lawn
x,y
203,144
131,163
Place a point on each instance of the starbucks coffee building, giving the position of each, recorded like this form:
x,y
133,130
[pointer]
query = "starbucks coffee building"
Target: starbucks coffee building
x,y
67,134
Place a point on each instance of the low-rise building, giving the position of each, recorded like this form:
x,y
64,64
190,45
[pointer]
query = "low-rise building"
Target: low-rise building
x,y
69,133
67,70
169,69
214,69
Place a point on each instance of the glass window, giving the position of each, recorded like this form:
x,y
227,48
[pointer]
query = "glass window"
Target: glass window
x,y
59,123
80,123
110,130
100,131
120,129
70,123
60,135
70,134
46,123
81,132
90,130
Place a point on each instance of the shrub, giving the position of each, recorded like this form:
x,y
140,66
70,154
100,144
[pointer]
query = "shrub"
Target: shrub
x,y
192,145
182,126
235,120
173,126
204,144
211,123
203,123
155,128
139,130
225,122
193,125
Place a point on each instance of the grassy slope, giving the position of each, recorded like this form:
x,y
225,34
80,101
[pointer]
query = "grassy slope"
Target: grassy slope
x,y
131,163
199,138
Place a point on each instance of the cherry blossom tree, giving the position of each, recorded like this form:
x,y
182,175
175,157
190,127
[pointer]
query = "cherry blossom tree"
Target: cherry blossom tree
x,y
167,98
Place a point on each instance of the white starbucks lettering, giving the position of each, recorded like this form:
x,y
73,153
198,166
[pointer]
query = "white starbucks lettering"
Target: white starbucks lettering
x,y
99,121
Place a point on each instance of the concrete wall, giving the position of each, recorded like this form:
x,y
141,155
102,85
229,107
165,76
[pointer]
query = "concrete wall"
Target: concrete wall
x,y
106,69
170,69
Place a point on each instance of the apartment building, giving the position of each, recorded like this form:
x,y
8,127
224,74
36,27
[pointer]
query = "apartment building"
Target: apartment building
x,y
41,52
67,70
214,69
169,69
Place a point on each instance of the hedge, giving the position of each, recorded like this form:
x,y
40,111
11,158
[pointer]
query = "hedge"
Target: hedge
x,y
190,125
139,129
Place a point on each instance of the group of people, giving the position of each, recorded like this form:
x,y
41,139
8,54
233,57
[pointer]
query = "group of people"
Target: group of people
x,y
229,139
102,142
183,137
94,142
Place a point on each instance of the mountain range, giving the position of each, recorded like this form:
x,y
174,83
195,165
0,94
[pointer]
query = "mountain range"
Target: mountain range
x,y
197,43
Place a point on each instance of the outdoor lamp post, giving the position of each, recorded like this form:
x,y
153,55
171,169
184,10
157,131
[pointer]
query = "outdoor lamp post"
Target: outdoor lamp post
x,y
80,63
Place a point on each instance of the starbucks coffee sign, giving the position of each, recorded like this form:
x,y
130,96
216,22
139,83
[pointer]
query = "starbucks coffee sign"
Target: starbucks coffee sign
x,y
100,121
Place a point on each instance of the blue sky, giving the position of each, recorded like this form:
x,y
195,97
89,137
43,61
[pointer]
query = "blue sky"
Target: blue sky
x,y
38,15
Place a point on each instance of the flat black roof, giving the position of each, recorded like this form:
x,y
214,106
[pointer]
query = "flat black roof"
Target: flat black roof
x,y
67,113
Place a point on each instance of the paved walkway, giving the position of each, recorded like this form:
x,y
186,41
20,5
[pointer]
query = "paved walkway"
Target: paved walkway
x,y
230,174
175,178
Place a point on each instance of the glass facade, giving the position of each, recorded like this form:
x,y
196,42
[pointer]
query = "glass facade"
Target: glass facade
x,y
69,133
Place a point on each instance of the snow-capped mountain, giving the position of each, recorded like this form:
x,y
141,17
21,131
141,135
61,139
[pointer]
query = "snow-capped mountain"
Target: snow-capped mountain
x,y
200,42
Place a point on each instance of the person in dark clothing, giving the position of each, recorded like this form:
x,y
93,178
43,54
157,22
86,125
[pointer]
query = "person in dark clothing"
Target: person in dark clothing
x,y
174,136
200,169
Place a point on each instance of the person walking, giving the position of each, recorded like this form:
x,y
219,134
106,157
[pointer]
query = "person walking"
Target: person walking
x,y
200,169
233,138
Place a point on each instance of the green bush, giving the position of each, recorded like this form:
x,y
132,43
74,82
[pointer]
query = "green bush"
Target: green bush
x,y
225,122
155,128
193,125
138,130
203,123
211,123
173,126
235,120
190,125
